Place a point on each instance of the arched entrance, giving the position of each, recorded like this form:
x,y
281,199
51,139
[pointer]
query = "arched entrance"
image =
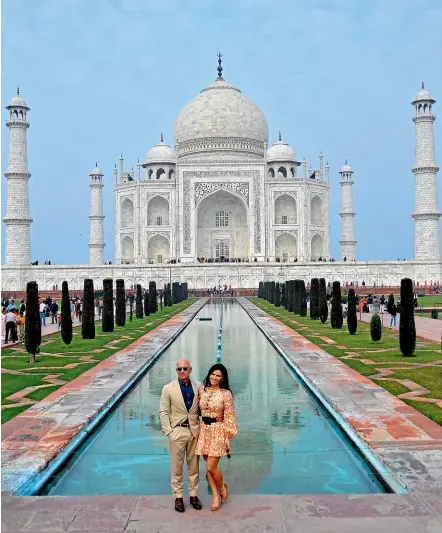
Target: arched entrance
x,y
286,247
158,249
222,228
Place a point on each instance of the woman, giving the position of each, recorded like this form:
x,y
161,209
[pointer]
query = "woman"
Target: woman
x,y
218,426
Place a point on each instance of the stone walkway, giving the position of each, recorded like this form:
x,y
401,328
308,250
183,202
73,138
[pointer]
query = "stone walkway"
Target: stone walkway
x,y
406,441
427,328
328,513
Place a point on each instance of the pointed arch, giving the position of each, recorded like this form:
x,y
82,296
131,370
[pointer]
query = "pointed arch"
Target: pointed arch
x,y
286,210
282,172
127,213
127,249
317,246
158,211
316,211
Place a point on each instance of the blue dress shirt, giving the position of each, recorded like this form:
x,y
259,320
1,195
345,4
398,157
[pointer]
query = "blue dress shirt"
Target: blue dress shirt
x,y
187,392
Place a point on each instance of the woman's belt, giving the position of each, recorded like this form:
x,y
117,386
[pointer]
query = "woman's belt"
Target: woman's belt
x,y
208,420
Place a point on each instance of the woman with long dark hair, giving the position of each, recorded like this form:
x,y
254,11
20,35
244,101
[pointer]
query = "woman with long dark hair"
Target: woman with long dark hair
x,y
218,426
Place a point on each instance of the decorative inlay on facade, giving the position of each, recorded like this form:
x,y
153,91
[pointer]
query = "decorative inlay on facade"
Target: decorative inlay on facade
x,y
204,189
150,234
278,232
127,197
186,214
318,194
257,190
277,194
163,194
217,143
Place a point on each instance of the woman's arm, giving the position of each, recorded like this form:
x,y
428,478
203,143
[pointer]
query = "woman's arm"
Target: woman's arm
x,y
229,424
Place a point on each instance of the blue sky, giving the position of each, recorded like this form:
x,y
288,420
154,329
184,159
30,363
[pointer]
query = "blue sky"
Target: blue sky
x,y
107,76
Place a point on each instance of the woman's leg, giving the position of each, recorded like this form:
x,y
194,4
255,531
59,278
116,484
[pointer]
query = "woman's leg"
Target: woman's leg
x,y
217,475
212,482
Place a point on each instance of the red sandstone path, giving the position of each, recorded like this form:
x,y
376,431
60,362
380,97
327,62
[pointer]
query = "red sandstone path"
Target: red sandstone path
x,y
47,330
429,328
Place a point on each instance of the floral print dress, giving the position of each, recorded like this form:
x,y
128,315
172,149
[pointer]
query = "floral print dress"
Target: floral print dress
x,y
216,404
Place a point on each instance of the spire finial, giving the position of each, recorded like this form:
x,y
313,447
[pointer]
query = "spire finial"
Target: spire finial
x,y
220,68
423,86
121,155
279,134
96,164
18,91
115,165
346,161
162,138
326,163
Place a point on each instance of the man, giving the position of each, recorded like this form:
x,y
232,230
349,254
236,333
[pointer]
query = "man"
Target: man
x,y
10,321
179,416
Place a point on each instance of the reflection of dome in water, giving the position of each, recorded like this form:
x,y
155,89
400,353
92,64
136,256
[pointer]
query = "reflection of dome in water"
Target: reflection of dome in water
x,y
252,458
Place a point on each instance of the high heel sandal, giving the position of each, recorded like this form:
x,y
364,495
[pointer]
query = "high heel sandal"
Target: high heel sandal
x,y
217,507
226,489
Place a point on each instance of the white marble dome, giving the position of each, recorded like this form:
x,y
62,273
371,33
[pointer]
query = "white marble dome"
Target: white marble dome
x,y
423,94
280,151
96,171
160,153
220,110
17,101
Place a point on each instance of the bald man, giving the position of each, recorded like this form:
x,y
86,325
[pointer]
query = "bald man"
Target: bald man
x,y
179,416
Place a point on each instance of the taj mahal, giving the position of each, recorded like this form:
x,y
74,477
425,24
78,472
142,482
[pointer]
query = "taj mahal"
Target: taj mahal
x,y
221,205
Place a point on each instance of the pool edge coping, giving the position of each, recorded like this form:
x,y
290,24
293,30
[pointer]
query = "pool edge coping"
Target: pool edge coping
x,y
369,455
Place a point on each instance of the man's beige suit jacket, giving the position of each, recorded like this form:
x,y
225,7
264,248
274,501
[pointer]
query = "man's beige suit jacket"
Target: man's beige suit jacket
x,y
173,410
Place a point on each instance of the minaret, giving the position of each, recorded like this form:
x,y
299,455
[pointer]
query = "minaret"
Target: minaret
x,y
17,219
96,240
426,213
347,242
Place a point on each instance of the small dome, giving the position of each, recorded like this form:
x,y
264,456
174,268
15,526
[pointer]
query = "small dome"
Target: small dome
x,y
220,111
96,171
161,153
280,151
346,168
423,94
17,101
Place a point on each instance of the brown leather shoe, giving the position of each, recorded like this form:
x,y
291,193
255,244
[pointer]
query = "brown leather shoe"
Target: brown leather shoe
x,y
179,505
195,503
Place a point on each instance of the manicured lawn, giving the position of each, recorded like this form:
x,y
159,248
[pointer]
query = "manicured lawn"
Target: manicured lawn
x,y
430,301
68,362
384,355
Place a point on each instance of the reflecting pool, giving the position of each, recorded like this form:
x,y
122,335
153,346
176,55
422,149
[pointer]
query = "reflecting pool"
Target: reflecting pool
x,y
286,443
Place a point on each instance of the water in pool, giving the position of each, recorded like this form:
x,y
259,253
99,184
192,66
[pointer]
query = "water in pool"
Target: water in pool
x,y
286,443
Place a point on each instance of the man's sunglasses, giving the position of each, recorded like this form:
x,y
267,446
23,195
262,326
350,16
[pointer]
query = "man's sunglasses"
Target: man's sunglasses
x,y
182,368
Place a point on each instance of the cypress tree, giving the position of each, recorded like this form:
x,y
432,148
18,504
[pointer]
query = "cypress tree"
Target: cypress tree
x,y
185,292
290,295
139,302
174,292
66,317
277,295
352,318
131,307
296,297
314,299
169,295
375,328
260,289
146,303
336,309
107,324
407,327
282,285
88,317
323,308
153,305
32,321
302,298
272,292
120,304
